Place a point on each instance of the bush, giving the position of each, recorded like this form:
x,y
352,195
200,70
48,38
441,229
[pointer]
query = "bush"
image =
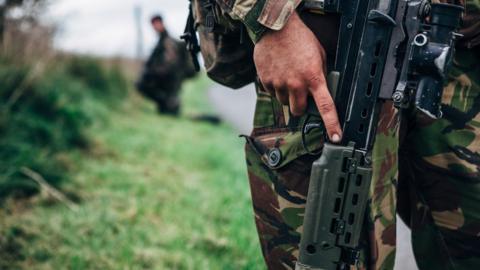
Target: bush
x,y
108,84
44,116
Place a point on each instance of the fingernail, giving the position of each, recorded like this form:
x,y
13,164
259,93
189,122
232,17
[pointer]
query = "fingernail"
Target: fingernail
x,y
336,138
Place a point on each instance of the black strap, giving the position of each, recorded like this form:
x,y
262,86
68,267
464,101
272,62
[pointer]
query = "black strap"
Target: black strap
x,y
191,40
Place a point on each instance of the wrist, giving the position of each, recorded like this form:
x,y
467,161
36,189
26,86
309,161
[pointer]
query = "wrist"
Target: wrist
x,y
292,23
275,16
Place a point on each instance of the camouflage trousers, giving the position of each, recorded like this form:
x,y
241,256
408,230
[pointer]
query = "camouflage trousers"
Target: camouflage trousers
x,y
426,171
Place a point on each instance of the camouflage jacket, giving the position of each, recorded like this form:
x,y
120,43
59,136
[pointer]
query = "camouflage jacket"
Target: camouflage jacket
x,y
261,15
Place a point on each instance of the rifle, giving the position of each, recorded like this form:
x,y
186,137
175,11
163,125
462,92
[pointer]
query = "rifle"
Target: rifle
x,y
397,50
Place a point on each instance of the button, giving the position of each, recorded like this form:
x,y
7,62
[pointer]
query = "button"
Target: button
x,y
274,157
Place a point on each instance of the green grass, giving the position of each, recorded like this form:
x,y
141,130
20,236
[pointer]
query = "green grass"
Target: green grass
x,y
156,193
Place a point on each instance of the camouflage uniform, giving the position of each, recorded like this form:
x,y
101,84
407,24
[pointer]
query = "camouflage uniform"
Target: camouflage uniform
x,y
432,168
164,71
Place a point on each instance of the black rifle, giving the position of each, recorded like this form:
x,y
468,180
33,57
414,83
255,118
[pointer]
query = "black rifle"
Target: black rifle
x,y
397,50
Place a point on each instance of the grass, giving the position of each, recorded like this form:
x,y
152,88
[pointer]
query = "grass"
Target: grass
x,y
156,193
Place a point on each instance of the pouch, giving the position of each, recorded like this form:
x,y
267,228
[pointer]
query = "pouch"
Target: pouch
x,y
224,44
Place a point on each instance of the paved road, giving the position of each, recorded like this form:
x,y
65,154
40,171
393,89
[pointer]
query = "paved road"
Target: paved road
x,y
237,108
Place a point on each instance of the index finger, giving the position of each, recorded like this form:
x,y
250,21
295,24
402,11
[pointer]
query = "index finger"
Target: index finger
x,y
328,112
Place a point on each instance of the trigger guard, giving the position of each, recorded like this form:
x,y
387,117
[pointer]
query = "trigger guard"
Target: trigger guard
x,y
306,129
311,126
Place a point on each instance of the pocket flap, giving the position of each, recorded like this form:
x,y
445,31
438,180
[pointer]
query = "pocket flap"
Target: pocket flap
x,y
278,148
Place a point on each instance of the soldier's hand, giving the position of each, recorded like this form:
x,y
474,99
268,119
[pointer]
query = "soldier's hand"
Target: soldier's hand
x,y
291,66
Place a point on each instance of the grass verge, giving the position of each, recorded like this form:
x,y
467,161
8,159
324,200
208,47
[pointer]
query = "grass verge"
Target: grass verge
x,y
157,193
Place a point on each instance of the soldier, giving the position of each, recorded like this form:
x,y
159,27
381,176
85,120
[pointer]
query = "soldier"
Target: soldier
x,y
427,171
165,70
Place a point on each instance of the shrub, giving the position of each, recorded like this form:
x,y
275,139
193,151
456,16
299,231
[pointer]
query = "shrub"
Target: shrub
x,y
108,84
42,116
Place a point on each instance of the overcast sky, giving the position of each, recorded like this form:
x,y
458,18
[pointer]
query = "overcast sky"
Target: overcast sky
x,y
107,27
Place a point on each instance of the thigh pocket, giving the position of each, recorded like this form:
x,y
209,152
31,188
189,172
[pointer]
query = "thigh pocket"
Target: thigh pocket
x,y
277,147
279,171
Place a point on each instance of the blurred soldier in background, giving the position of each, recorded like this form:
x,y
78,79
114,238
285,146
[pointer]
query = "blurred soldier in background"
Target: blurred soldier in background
x,y
165,70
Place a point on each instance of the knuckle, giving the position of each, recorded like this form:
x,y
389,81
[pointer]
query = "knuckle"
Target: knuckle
x,y
277,84
294,85
326,107
313,68
266,79
310,72
317,78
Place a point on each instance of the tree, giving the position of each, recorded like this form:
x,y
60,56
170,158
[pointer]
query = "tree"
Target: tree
x,y
6,5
